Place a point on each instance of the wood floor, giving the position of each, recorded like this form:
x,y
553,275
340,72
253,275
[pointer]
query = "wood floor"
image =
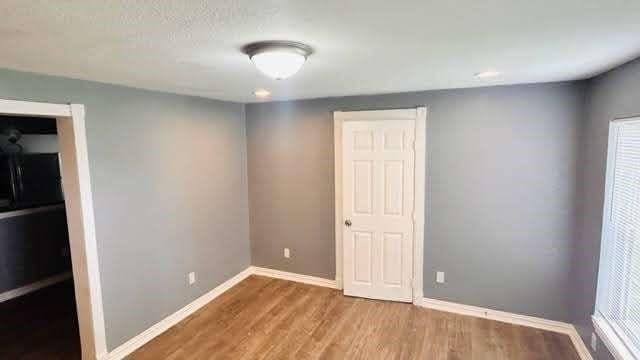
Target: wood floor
x,y
264,318
41,325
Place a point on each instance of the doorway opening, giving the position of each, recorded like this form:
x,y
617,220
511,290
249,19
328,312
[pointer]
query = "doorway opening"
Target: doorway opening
x,y
50,278
36,282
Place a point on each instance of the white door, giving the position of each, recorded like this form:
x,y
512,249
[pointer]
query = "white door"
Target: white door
x,y
378,185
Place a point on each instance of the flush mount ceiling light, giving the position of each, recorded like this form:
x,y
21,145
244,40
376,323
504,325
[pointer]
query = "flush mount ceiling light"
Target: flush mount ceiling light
x,y
487,74
278,59
262,93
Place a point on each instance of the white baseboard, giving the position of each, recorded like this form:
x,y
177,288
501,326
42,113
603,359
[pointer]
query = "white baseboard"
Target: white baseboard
x,y
511,318
580,346
163,325
312,280
490,314
127,348
130,346
23,290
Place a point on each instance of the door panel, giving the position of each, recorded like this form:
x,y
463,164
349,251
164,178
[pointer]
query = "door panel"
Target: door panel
x,y
362,244
378,176
392,259
363,187
393,187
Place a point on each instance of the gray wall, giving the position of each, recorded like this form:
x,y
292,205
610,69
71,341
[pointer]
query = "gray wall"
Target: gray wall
x,y
501,194
169,189
33,247
615,94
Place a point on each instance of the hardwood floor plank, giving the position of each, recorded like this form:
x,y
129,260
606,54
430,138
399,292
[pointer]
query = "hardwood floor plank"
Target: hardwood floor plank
x,y
530,344
505,339
412,335
298,325
460,340
268,319
482,345
246,324
327,329
559,346
436,344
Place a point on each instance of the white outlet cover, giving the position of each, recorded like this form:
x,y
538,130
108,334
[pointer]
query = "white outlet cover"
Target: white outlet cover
x,y
440,277
287,253
192,278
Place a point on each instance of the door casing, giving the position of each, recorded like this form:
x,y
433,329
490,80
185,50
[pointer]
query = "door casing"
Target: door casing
x,y
419,114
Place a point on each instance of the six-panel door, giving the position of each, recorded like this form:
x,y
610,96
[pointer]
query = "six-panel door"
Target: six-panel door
x,y
378,186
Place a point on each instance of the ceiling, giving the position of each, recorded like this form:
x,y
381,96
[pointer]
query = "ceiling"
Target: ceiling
x,y
361,46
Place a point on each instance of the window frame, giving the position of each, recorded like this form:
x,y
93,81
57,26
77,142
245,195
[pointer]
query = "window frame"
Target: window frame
x,y
611,335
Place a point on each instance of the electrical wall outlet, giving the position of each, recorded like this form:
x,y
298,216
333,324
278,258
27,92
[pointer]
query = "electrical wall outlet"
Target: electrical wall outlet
x,y
287,253
440,277
594,342
192,278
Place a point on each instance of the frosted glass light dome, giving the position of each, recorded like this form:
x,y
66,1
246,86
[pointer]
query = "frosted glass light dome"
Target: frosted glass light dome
x,y
278,59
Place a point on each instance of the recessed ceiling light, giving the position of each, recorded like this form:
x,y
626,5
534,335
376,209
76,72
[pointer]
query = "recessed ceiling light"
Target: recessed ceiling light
x,y
262,93
278,59
487,74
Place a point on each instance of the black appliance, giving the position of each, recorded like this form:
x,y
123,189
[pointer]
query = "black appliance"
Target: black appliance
x,y
29,180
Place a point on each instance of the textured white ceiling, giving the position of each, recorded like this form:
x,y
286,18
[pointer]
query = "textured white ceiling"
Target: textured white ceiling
x,y
361,46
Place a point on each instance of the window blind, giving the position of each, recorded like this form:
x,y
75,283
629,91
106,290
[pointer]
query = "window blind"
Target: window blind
x,y
618,300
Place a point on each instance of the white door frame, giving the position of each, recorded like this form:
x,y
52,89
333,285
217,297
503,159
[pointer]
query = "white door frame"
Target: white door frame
x,y
418,114
80,220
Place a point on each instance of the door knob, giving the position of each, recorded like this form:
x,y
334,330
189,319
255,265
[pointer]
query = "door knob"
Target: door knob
x,y
347,222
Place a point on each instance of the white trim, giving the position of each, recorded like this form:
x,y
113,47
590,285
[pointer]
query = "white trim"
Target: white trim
x,y
86,273
420,188
163,325
80,221
337,181
23,290
418,114
607,331
511,318
14,213
30,108
284,275
497,315
611,340
392,114
632,119
578,344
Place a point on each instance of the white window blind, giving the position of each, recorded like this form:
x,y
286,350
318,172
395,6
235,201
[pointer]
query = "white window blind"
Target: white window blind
x,y
618,302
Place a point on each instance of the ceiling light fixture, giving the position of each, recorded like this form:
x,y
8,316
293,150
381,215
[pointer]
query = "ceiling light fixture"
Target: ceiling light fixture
x,y
278,59
487,74
262,93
